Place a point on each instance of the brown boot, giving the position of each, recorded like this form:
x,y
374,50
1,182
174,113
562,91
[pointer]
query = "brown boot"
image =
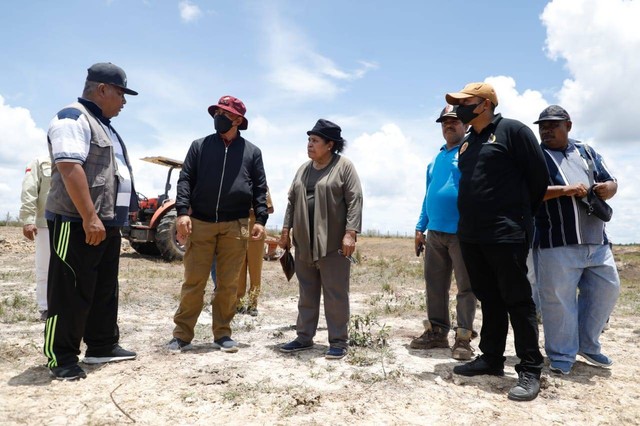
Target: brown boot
x,y
433,337
462,349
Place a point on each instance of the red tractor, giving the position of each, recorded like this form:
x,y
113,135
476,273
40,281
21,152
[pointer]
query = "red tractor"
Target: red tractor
x,y
152,230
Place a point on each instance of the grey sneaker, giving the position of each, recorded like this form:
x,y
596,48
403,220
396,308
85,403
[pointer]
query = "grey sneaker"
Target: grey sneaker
x,y
176,344
226,344
112,355
527,387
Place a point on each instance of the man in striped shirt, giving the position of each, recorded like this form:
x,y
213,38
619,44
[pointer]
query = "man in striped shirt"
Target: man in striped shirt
x,y
576,274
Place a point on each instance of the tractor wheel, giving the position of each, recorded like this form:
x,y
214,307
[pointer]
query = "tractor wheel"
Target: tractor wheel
x,y
149,249
166,238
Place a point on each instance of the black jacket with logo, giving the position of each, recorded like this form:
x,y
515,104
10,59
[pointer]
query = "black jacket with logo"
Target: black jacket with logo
x,y
220,183
502,183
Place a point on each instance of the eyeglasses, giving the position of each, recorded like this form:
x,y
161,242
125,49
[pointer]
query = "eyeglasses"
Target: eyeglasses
x,y
351,258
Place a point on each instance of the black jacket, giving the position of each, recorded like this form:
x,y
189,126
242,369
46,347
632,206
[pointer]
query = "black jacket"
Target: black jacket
x,y
503,179
221,184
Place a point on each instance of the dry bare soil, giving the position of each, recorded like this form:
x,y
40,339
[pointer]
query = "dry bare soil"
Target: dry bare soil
x,y
391,384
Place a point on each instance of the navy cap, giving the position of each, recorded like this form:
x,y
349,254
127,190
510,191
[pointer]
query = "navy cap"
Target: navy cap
x,y
553,113
106,72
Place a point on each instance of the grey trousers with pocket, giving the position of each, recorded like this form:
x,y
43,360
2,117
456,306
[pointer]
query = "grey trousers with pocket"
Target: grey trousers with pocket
x,y
329,275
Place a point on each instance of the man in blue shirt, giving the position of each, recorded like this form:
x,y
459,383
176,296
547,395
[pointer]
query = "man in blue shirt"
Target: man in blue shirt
x,y
439,216
577,277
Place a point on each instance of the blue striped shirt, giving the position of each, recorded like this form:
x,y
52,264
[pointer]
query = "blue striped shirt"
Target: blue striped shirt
x,y
564,221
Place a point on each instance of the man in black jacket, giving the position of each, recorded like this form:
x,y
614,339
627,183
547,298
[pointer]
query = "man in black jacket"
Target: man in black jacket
x,y
503,178
221,179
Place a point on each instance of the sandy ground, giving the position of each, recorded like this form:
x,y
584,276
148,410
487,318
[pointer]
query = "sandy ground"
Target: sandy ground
x,y
259,385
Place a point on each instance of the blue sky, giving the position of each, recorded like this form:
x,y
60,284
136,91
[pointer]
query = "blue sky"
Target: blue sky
x,y
379,69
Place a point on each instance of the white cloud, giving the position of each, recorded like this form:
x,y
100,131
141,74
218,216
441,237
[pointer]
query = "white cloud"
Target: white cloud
x,y
20,141
600,47
525,106
298,70
392,177
189,12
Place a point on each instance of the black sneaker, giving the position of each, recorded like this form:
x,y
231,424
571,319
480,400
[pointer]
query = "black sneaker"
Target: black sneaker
x,y
527,387
115,354
68,373
252,311
478,367
295,346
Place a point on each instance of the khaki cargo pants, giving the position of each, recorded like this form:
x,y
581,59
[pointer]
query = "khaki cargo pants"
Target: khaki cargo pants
x,y
227,241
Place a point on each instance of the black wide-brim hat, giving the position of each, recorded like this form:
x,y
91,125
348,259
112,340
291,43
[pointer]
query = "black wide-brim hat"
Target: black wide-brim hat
x,y
327,130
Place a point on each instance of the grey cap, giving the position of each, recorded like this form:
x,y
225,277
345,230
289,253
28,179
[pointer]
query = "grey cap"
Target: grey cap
x,y
553,113
106,72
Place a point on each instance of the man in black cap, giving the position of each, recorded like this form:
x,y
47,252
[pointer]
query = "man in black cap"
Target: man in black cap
x,y
91,195
442,255
503,178
577,277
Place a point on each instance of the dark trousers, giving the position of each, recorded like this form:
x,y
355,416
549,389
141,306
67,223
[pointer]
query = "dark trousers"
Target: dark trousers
x,y
498,274
82,293
329,276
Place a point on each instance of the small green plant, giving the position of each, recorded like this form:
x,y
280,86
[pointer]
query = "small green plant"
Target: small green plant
x,y
362,331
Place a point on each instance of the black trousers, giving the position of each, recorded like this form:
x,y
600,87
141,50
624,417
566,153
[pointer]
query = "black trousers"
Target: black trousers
x,y
498,274
82,292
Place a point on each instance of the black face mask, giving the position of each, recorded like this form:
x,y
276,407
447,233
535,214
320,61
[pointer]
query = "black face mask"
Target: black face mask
x,y
222,123
465,112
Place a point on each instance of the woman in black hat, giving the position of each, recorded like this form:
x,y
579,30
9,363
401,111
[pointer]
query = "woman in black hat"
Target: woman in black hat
x,y
325,214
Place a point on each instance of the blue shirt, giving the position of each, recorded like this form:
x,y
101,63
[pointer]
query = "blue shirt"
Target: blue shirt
x,y
439,208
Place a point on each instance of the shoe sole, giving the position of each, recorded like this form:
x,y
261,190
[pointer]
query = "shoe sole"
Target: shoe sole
x,y
335,356
440,346
105,359
231,349
179,349
594,362
288,351
68,379
484,373
462,357
559,371
522,398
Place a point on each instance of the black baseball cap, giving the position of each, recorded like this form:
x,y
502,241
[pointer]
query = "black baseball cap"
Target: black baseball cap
x,y
553,113
448,111
106,72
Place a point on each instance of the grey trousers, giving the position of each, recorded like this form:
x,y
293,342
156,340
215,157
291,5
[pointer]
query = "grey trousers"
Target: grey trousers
x,y
442,256
331,276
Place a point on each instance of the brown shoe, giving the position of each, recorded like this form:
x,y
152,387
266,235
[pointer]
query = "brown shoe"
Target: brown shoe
x,y
433,337
462,349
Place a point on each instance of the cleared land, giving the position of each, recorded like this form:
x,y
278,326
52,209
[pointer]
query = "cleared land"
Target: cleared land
x,y
389,384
